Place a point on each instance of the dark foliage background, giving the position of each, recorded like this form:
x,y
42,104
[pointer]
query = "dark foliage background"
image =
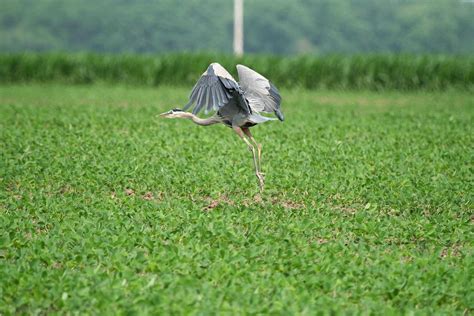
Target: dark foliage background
x,y
271,26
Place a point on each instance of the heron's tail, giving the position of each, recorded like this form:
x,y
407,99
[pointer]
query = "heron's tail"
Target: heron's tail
x,y
279,115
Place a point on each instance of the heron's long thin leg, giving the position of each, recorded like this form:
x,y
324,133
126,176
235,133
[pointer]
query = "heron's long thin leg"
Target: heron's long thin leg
x,y
259,147
240,132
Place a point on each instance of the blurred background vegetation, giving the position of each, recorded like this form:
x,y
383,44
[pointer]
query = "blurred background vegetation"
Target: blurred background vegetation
x,y
374,72
348,44
271,26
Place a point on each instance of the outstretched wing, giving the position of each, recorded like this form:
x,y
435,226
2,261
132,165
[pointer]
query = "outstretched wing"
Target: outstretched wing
x,y
261,94
213,90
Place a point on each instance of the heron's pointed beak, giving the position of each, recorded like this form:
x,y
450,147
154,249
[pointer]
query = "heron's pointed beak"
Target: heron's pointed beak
x,y
165,114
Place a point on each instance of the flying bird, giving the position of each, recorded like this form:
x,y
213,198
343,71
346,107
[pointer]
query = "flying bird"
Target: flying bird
x,y
235,104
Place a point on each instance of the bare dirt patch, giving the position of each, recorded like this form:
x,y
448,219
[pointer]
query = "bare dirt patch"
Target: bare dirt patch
x,y
213,203
129,192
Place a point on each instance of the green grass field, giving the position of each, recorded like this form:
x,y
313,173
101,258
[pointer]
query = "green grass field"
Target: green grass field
x,y
107,209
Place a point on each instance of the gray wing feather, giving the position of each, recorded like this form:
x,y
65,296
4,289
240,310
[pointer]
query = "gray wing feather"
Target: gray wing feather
x,y
213,90
212,101
260,93
257,118
193,96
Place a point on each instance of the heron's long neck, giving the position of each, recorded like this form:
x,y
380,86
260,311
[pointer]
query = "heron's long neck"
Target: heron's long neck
x,y
204,122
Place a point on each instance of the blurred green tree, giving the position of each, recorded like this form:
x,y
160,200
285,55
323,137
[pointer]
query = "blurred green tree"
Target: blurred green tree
x,y
271,26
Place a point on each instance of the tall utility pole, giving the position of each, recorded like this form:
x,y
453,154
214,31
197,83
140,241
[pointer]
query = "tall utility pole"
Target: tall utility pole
x,y
239,27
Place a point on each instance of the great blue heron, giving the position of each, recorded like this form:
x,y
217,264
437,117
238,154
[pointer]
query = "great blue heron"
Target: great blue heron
x,y
237,104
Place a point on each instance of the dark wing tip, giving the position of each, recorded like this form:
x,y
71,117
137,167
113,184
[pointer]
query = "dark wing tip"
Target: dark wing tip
x,y
274,93
280,115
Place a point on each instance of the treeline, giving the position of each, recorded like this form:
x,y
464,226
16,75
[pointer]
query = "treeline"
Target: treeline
x,y
405,72
271,26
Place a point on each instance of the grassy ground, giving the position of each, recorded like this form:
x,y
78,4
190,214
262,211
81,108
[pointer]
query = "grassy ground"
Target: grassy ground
x,y
105,208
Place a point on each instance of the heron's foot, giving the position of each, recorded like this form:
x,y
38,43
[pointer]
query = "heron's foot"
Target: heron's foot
x,y
261,180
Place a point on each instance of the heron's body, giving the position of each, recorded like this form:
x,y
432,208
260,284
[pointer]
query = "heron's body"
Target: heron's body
x,y
242,120
236,104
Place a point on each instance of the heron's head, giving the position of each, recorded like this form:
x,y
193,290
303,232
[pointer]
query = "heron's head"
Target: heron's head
x,y
174,113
